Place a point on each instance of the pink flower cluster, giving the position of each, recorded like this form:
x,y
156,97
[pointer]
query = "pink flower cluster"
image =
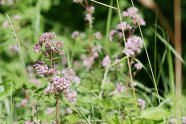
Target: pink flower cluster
x,y
43,70
141,103
75,34
133,46
138,66
46,37
98,35
88,61
123,26
58,84
126,26
119,89
106,61
89,12
132,12
51,46
70,75
115,33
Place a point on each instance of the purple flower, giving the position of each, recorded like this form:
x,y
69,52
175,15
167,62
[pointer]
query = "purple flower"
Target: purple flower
x,y
50,89
46,37
115,33
138,66
29,122
50,111
123,26
111,34
77,80
89,11
133,46
119,89
37,48
68,74
71,96
42,69
132,12
88,61
61,83
89,18
141,103
54,47
106,61
98,35
75,34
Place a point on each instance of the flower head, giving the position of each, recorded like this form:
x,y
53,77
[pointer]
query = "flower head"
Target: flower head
x,y
42,69
132,12
119,89
71,96
61,83
46,37
75,34
37,48
123,26
50,89
106,61
133,46
141,103
98,35
138,66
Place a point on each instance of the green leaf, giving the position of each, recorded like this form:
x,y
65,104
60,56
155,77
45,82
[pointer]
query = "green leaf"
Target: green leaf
x,y
153,113
72,119
8,90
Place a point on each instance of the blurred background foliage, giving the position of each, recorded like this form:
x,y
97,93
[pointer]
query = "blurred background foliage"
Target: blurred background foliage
x,y
32,17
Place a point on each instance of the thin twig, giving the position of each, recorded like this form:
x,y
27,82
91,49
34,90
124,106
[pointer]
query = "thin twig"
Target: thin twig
x,y
104,4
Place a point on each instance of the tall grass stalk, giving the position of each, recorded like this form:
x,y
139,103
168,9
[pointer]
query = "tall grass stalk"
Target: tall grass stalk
x,y
178,64
155,46
20,54
109,16
154,80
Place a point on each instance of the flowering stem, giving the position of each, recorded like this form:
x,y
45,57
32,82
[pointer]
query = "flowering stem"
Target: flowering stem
x,y
128,61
